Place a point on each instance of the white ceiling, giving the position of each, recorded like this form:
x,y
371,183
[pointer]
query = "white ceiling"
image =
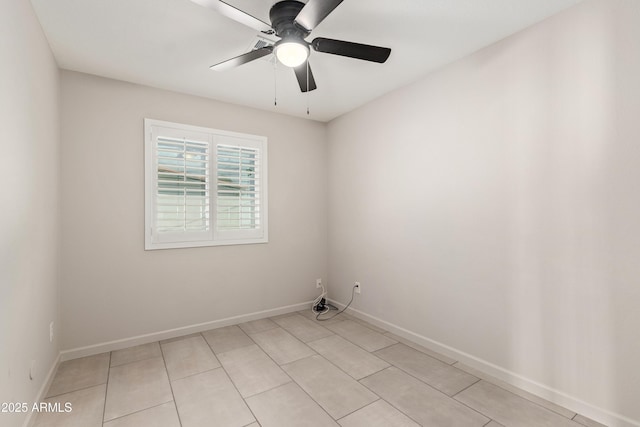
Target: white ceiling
x,y
170,44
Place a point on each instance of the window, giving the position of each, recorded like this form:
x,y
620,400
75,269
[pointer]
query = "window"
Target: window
x,y
203,187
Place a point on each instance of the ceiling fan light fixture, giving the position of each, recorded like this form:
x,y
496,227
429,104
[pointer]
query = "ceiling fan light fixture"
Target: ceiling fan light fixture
x,y
292,53
292,21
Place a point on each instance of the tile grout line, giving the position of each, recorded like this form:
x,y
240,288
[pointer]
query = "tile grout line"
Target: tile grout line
x,y
377,349
269,389
73,391
106,390
471,385
257,332
323,338
166,371
231,379
325,358
351,376
391,365
138,411
222,352
134,361
356,410
389,403
438,391
300,339
143,409
342,370
436,360
294,337
368,325
433,387
337,367
194,374
370,375
431,351
292,380
527,399
364,326
401,411
180,338
137,360
453,396
473,409
310,341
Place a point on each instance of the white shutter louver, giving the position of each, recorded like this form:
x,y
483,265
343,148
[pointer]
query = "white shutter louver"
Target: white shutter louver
x,y
238,188
182,192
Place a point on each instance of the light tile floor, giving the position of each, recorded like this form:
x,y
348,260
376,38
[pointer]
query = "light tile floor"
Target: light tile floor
x,y
290,370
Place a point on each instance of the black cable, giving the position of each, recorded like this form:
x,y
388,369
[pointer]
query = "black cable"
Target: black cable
x,y
353,292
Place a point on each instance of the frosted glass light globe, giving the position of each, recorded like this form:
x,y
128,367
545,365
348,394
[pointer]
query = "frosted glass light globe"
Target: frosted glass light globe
x,y
292,54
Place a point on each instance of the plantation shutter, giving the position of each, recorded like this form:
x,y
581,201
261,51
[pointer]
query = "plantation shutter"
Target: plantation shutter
x,y
203,187
239,206
182,190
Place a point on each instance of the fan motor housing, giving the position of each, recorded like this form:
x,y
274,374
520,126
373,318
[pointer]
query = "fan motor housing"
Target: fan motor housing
x,y
283,15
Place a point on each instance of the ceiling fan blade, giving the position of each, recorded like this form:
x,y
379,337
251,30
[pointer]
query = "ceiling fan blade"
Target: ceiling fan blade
x,y
351,50
236,14
314,13
243,59
301,75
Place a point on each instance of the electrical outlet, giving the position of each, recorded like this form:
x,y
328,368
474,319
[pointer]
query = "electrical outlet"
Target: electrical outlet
x,y
51,332
357,286
318,283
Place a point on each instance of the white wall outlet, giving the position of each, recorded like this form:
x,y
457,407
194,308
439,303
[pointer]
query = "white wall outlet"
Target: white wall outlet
x,y
357,286
318,283
51,332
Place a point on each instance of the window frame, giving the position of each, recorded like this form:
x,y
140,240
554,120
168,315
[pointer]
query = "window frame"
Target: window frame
x,y
213,236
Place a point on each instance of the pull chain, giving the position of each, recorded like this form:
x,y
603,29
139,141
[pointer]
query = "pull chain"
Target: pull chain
x,y
275,82
308,87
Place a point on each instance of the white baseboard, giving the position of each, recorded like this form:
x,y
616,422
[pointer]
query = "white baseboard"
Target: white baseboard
x,y
177,332
31,416
558,397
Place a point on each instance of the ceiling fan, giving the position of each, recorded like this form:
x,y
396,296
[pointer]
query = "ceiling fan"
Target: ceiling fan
x,y
292,21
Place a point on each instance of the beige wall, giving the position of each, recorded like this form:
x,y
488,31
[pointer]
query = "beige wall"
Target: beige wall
x,y
111,288
493,207
29,199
